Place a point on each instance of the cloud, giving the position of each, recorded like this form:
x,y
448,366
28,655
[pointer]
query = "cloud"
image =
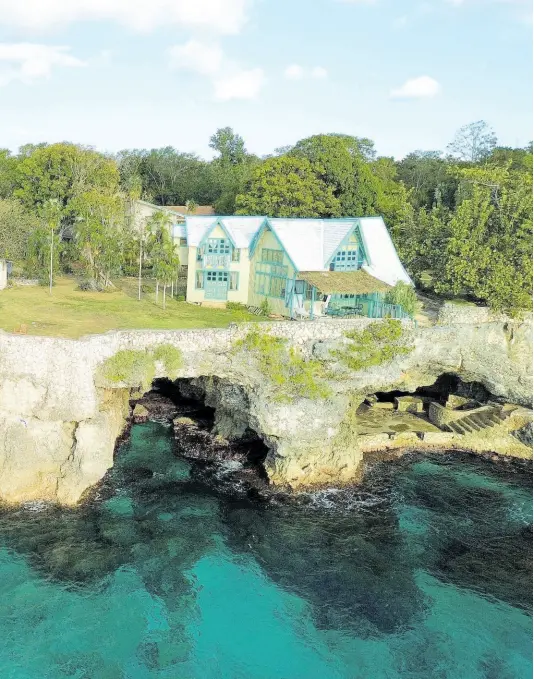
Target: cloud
x,y
423,87
196,56
218,16
28,62
297,72
294,72
319,72
239,85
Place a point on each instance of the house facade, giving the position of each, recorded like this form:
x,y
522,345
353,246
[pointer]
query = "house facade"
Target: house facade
x,y
302,267
305,267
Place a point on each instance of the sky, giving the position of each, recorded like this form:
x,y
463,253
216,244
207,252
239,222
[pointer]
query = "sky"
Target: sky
x,y
117,74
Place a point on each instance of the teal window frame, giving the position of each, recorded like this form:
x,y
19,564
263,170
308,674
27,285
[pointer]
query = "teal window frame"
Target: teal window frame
x,y
218,246
199,280
266,283
218,276
272,256
233,282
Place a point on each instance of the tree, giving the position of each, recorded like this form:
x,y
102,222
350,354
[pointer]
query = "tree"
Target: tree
x,y
288,186
8,168
426,176
473,142
100,233
16,228
63,172
338,162
229,145
488,254
161,251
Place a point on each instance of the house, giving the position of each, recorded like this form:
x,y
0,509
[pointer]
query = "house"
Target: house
x,y
218,265
308,267
302,267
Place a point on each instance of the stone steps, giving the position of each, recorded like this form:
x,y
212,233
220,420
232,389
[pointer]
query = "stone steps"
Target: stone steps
x,y
473,422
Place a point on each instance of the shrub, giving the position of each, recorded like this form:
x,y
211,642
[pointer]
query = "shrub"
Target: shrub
x,y
134,368
378,343
285,367
265,307
171,358
236,306
404,295
180,298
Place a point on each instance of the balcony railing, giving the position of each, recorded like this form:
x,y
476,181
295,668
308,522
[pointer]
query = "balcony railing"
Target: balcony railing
x,y
216,261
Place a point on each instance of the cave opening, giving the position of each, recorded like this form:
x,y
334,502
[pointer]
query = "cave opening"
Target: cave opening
x,y
210,417
446,385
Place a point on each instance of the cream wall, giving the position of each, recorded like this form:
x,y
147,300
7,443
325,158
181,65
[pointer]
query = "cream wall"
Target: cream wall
x,y
277,305
141,212
242,268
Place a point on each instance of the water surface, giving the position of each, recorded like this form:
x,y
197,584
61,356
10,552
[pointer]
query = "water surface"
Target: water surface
x,y
422,572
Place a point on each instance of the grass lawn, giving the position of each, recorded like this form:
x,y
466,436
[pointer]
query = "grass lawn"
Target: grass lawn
x,y
72,313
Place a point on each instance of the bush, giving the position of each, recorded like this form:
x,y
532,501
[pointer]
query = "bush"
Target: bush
x,y
236,306
378,343
180,298
171,358
134,368
265,308
89,285
404,295
285,367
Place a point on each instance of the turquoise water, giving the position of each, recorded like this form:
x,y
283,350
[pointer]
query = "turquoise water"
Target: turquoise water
x,y
423,572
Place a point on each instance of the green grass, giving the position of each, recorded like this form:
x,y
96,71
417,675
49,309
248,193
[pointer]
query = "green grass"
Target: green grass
x,y
285,367
69,312
378,343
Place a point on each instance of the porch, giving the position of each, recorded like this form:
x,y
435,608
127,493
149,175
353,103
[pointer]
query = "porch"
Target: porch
x,y
345,294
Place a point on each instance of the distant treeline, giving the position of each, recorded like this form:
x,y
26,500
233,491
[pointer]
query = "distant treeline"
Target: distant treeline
x,y
461,219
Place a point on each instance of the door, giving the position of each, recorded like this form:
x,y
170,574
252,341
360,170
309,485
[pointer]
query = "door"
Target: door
x,y
216,285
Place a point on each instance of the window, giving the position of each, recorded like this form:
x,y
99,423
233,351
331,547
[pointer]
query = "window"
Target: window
x,y
217,276
299,287
236,255
271,286
199,280
234,280
348,258
218,246
272,256
183,242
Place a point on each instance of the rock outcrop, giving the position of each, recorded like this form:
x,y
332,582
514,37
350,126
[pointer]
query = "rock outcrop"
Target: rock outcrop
x,y
60,419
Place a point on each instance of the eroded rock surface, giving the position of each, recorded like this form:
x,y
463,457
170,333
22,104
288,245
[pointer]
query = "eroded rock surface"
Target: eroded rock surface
x,y
59,420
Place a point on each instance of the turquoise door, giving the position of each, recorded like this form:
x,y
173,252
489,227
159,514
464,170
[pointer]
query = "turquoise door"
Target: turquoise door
x,y
216,285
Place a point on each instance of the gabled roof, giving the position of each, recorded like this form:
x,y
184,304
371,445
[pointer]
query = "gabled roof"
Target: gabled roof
x,y
241,230
384,262
198,211
310,243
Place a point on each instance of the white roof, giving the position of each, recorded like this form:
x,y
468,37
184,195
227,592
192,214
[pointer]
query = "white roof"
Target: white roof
x,y
311,242
384,261
240,229
178,230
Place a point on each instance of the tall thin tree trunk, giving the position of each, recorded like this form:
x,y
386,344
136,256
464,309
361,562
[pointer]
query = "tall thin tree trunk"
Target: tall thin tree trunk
x,y
140,269
172,289
157,291
164,288
51,257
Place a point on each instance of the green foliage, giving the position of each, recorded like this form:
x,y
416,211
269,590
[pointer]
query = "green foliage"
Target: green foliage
x,y
236,306
285,367
473,142
378,343
136,369
404,295
131,367
16,228
62,172
265,307
171,357
288,186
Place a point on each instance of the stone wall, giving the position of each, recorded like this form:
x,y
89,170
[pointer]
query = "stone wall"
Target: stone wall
x,y
59,420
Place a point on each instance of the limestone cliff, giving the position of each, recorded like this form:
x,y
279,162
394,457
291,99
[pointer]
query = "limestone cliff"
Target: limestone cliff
x,y
59,419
